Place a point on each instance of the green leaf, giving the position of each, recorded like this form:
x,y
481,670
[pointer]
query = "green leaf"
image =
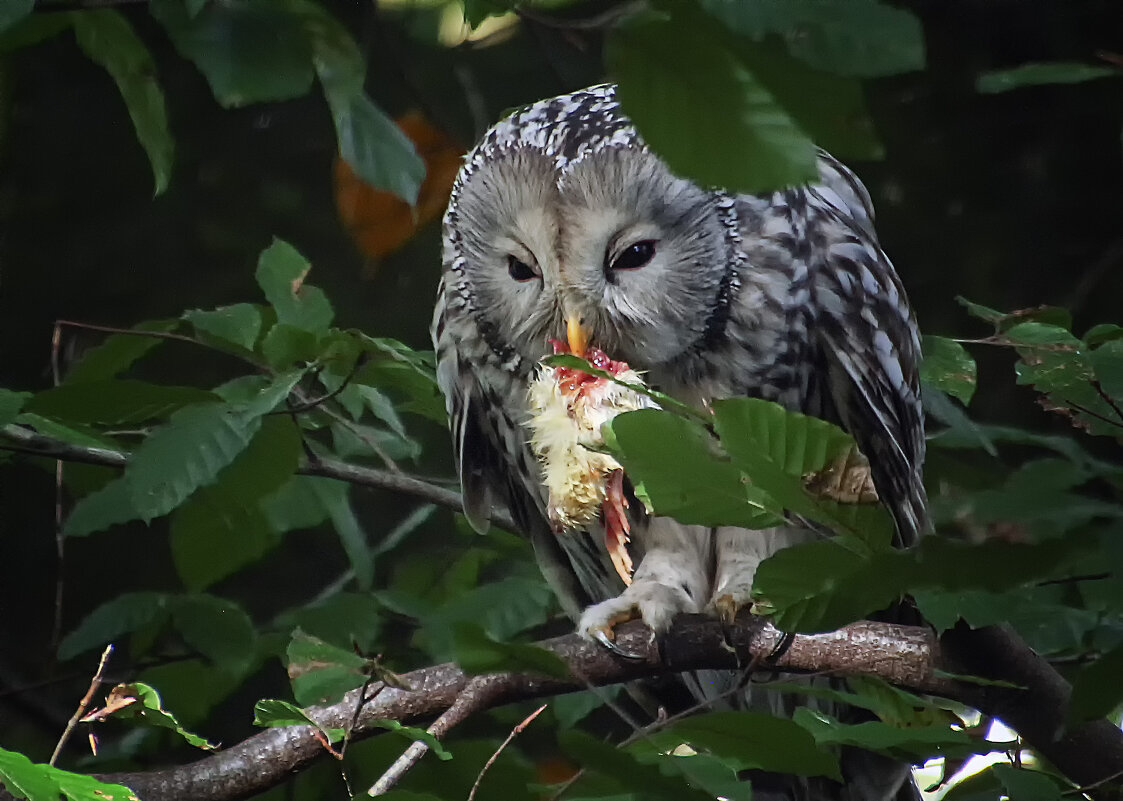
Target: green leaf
x,y
376,148
828,108
369,141
748,740
196,444
186,454
625,773
794,443
218,629
1041,73
213,535
222,528
571,708
825,584
25,779
1107,361
29,30
296,505
109,40
848,37
674,461
75,434
948,367
726,131
504,608
1096,690
776,448
272,712
334,498
250,52
342,619
12,11
1104,332
286,345
477,653
102,508
118,352
281,271
11,402
909,742
321,672
150,710
116,401
239,324
1029,785
123,615
416,734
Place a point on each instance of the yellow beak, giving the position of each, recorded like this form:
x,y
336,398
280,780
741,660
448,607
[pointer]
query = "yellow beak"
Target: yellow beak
x,y
577,335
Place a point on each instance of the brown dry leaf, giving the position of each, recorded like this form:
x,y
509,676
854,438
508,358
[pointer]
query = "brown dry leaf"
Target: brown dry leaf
x,y
380,222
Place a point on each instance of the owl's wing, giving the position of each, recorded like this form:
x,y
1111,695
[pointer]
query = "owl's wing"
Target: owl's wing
x,y
869,343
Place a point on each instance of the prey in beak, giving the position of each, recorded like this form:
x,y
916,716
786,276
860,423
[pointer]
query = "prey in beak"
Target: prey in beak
x,y
568,407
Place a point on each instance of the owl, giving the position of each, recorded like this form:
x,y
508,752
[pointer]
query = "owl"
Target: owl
x,y
562,220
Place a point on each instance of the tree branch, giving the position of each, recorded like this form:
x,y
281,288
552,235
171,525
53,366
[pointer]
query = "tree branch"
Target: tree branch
x,y
907,656
24,440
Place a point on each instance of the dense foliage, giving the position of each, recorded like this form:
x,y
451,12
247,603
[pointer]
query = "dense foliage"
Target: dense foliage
x,y
231,431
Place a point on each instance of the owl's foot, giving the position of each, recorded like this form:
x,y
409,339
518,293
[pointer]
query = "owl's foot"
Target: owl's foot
x,y
654,603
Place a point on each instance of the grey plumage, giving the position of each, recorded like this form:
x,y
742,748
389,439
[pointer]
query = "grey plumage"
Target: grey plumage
x,y
785,296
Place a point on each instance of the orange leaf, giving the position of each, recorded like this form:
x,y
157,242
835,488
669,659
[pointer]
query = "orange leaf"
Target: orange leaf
x,y
380,222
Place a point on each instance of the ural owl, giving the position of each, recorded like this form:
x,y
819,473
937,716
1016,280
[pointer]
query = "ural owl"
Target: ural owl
x,y
562,219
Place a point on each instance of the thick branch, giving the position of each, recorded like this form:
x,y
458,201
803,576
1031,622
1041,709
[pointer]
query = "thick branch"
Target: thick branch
x,y
24,440
904,655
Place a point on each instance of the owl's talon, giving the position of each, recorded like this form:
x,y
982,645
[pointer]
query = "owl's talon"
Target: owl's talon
x,y
605,639
781,647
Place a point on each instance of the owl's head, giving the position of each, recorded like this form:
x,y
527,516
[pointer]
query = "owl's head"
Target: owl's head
x,y
562,214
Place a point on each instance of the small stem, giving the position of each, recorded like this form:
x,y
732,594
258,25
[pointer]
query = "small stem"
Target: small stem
x,y
514,733
94,684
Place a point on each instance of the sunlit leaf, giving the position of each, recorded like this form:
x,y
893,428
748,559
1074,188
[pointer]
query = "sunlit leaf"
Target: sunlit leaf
x,y
272,712
333,497
690,486
140,702
25,779
416,734
623,772
948,367
109,40
281,274
1107,361
342,619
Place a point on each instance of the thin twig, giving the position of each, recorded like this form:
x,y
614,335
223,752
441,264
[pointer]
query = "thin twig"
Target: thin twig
x,y
479,693
95,683
109,329
20,439
514,733
60,539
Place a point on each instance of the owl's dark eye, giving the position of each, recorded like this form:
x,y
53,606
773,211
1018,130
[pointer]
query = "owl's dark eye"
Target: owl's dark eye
x,y
634,256
520,270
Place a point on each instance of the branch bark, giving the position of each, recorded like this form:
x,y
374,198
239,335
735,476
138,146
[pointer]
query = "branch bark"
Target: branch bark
x,y
907,656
